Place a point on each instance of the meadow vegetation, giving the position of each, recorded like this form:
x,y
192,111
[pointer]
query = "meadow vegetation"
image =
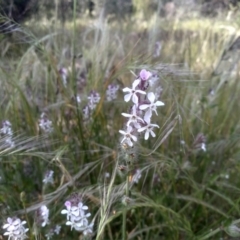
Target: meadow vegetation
x,y
61,112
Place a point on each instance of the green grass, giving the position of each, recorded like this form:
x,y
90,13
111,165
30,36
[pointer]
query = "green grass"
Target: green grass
x,y
184,192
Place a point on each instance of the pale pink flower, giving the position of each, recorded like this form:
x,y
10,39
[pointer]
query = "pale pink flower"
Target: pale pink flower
x,y
145,75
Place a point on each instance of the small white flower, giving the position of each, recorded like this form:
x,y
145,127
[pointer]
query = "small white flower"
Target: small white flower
x,y
136,177
45,124
81,209
111,92
73,224
68,209
133,118
78,99
148,130
128,137
48,178
88,230
150,107
93,99
86,113
57,229
133,92
64,74
49,235
107,175
203,147
44,214
6,128
7,134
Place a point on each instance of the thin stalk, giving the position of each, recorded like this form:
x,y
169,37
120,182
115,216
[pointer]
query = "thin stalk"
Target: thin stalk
x,y
74,42
23,198
124,222
105,204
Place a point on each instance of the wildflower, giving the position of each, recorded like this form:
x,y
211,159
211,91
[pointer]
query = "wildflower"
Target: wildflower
x,y
136,177
45,124
203,147
107,175
52,232
145,75
44,211
86,112
133,118
6,133
150,106
6,128
48,177
88,230
93,100
64,74
128,137
49,235
15,229
78,99
111,92
57,229
148,130
69,210
133,92
200,142
76,214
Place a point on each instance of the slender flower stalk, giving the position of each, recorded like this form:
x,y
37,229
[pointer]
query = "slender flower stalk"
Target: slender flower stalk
x,y
139,120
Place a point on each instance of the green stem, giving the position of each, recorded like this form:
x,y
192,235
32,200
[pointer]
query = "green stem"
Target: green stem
x,y
22,198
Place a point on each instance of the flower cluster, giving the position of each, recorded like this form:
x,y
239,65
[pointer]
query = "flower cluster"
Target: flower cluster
x,y
53,231
111,92
77,217
144,106
93,100
6,133
15,229
45,124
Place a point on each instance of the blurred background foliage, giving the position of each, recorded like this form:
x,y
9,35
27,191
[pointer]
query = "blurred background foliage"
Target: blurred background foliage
x,y
20,10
